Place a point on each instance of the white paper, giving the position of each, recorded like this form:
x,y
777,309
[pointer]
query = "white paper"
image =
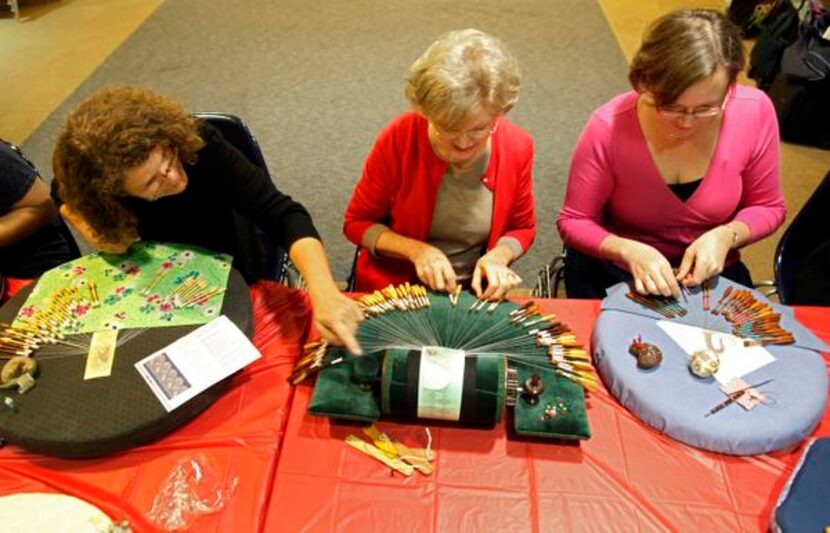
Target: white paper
x,y
196,361
441,383
736,360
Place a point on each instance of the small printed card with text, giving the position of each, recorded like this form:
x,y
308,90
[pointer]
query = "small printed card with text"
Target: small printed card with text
x,y
196,361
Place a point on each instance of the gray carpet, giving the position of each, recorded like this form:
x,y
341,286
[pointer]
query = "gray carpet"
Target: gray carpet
x,y
316,81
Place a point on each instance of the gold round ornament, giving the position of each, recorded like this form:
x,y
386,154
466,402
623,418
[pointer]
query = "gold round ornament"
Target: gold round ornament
x,y
704,364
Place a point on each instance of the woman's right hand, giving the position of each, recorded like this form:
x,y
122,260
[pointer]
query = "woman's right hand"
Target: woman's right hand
x,y
652,272
433,268
90,235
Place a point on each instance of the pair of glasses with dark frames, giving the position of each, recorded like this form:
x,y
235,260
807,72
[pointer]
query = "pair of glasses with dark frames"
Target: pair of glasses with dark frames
x,y
709,111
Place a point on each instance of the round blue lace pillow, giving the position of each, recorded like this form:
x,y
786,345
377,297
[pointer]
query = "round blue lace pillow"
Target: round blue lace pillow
x,y
674,401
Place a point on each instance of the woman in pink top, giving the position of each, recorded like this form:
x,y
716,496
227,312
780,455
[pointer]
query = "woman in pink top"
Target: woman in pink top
x,y
669,180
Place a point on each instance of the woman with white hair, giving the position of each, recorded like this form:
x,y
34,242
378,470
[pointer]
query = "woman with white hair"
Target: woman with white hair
x,y
446,195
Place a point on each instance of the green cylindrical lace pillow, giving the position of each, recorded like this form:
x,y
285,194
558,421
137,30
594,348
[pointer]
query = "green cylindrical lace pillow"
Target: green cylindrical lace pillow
x,y
445,384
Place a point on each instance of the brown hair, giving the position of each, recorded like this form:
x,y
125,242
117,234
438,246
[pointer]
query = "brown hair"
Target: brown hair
x,y
461,73
682,48
109,133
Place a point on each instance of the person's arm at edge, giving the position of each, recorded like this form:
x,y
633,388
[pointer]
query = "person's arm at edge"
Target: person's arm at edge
x,y
28,214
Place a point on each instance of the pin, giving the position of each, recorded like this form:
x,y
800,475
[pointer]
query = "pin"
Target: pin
x,y
454,295
10,404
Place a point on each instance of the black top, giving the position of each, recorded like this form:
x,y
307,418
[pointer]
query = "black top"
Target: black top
x,y
40,251
684,191
226,197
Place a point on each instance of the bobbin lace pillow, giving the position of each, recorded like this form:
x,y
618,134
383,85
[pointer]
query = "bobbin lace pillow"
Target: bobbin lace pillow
x,y
674,401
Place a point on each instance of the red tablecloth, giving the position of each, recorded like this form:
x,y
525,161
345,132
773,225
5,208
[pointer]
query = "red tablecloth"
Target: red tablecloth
x,y
627,477
12,286
239,437
304,478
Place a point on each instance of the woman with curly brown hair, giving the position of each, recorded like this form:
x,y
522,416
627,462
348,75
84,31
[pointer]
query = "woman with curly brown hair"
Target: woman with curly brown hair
x,y
131,164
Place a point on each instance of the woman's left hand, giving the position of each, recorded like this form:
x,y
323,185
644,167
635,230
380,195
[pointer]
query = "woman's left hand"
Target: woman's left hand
x,y
336,318
705,257
492,266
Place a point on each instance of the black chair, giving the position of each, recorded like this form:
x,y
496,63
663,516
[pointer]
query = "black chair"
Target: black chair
x,y
551,277
809,229
352,281
234,130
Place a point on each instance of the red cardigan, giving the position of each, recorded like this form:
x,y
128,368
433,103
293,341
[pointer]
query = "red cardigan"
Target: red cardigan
x,y
399,188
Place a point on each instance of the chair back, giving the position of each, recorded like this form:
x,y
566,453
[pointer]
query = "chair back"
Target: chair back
x,y
809,228
351,283
551,276
234,130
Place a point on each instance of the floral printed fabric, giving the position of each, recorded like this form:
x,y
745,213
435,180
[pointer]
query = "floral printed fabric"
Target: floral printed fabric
x,y
152,285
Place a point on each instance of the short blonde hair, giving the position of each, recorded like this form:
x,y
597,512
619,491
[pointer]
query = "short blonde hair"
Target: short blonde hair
x,y
461,73
683,48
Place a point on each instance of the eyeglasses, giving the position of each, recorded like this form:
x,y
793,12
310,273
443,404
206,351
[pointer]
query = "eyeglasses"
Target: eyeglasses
x,y
672,113
477,134
678,112
163,175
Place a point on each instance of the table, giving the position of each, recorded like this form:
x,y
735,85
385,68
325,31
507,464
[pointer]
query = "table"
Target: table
x,y
239,436
627,477
296,474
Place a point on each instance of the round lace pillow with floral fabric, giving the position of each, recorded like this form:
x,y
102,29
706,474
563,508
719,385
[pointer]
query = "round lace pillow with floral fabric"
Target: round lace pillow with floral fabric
x,y
67,416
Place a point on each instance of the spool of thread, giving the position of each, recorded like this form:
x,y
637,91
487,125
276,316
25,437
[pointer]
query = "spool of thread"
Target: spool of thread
x,y
532,389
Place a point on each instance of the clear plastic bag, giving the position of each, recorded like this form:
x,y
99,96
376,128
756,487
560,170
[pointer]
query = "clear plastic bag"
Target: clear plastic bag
x,y
192,489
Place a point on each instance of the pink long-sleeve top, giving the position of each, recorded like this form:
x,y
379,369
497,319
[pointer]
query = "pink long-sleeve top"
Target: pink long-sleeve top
x,y
614,186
